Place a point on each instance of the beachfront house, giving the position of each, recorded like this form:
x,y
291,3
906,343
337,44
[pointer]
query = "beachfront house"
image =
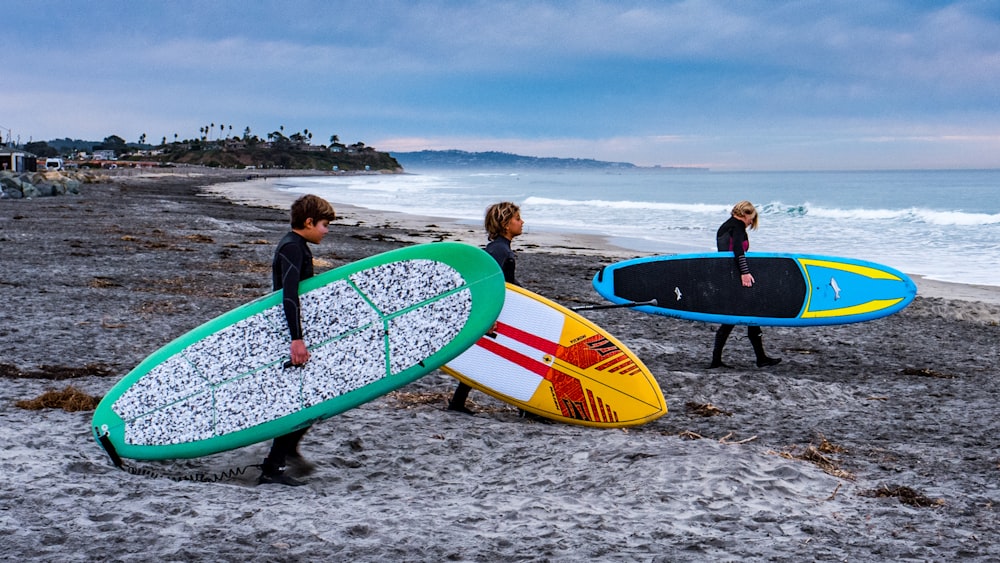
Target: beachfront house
x,y
16,160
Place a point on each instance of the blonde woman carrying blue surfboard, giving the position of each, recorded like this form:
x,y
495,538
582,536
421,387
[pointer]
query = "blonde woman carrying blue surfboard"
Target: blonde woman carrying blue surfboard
x,y
732,237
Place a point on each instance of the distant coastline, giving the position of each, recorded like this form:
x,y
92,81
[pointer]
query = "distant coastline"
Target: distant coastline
x,y
495,159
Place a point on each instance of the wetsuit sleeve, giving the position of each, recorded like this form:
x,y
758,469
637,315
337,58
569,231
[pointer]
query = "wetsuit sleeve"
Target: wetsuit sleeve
x,y
739,243
289,261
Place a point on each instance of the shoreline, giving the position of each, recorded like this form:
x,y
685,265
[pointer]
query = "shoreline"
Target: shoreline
x,y
259,192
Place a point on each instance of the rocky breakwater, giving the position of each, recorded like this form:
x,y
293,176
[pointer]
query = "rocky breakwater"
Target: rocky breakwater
x,y
18,185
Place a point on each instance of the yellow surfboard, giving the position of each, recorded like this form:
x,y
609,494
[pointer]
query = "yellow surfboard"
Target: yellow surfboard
x,y
551,361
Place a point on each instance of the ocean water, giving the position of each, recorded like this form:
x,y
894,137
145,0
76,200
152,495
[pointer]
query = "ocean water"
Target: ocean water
x,y
944,225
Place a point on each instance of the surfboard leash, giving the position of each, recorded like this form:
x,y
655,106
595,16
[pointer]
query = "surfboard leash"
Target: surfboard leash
x,y
651,302
197,477
116,459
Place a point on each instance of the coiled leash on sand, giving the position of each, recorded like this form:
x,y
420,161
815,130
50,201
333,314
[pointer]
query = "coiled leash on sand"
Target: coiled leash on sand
x,y
116,459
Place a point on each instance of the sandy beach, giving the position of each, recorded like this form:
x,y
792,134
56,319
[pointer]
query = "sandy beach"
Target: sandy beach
x,y
870,442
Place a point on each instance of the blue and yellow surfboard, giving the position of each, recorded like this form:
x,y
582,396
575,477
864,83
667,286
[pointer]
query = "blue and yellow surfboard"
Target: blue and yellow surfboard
x,y
790,289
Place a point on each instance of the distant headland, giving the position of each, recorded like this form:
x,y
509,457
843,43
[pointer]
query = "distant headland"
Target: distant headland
x,y
444,159
277,151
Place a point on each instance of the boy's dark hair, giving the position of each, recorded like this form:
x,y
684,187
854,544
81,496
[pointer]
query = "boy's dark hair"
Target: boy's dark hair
x,y
311,207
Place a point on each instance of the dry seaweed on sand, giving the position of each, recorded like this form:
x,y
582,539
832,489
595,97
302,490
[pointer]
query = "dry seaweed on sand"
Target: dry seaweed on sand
x,y
198,237
826,446
689,435
906,495
707,409
69,399
726,440
819,455
410,399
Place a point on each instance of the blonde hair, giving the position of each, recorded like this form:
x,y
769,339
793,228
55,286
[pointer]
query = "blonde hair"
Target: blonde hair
x,y
745,209
497,217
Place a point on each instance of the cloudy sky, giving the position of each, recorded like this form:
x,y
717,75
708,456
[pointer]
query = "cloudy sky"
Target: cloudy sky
x,y
741,85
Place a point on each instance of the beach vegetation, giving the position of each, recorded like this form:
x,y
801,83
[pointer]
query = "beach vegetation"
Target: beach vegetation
x,y
216,149
41,148
293,152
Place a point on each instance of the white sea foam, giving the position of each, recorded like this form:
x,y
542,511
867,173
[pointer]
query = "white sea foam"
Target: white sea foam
x,y
911,215
932,223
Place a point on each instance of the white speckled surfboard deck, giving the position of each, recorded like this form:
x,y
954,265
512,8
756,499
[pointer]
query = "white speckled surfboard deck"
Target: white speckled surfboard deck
x,y
371,326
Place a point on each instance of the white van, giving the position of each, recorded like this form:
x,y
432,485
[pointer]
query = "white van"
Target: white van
x,y
54,164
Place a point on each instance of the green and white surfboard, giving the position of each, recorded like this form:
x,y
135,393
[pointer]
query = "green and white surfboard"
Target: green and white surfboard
x,y
372,326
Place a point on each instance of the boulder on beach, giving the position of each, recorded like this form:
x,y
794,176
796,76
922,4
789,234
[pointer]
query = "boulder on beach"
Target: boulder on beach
x,y
19,185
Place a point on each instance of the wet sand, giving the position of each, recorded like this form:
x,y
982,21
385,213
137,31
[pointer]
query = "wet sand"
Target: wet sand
x,y
869,442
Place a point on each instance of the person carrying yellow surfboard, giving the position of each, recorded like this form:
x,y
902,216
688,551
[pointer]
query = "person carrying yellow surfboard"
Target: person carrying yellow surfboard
x,y
503,222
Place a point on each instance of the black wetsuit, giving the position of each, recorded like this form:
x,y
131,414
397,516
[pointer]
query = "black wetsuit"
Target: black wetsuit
x,y
732,237
292,264
499,249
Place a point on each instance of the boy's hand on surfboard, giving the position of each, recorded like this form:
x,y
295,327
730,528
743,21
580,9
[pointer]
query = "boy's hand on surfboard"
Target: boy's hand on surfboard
x,y
300,354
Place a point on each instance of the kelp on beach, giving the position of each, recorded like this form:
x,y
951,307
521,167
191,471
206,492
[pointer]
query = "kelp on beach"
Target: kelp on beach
x,y
69,399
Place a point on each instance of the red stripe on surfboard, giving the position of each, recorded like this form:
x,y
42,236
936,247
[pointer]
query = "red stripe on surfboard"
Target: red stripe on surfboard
x,y
611,362
514,357
593,403
535,342
631,370
615,365
622,368
583,354
596,346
